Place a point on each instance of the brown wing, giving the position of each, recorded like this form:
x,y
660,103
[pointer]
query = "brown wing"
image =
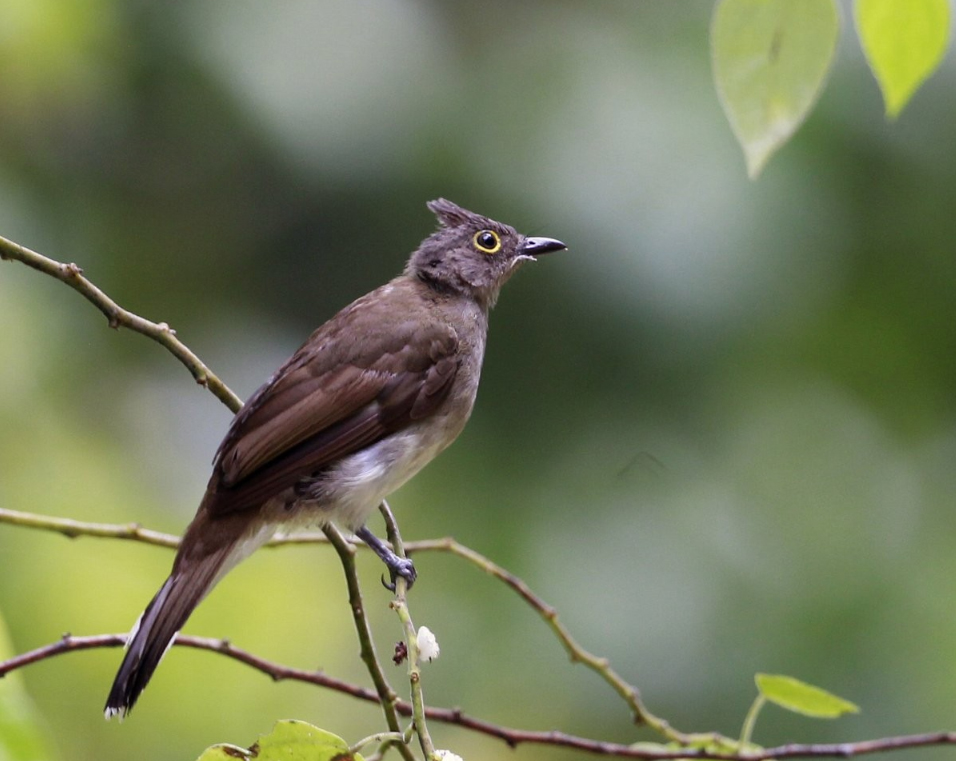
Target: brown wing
x,y
334,397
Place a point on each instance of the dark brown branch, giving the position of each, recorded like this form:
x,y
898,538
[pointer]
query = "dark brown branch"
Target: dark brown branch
x,y
512,737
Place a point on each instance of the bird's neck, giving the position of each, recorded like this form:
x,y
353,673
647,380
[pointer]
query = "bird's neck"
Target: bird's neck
x,y
485,298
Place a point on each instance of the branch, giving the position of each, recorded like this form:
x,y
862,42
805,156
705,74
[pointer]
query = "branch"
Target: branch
x,y
74,529
384,693
513,737
400,606
129,531
576,653
601,666
118,317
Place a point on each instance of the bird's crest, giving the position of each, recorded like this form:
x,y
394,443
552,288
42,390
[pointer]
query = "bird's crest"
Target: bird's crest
x,y
450,214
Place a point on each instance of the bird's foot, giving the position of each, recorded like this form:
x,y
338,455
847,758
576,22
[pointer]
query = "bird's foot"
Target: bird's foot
x,y
397,566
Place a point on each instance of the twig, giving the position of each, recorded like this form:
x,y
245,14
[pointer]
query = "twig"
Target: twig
x,y
118,317
513,737
576,653
386,696
129,531
384,739
74,529
400,606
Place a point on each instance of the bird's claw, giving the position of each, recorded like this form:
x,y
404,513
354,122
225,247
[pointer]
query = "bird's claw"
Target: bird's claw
x,y
396,565
399,567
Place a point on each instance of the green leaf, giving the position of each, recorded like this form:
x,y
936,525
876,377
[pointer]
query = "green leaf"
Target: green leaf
x,y
288,741
771,59
904,42
801,697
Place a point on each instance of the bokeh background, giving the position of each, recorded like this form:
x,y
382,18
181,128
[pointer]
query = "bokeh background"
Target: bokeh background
x,y
719,434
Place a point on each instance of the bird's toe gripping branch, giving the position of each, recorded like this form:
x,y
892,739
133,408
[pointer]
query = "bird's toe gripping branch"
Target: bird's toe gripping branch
x,y
397,566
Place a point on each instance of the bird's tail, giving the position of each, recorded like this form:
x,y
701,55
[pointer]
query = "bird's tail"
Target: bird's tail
x,y
153,633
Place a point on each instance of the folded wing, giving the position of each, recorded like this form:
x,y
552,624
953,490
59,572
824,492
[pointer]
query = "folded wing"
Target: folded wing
x,y
326,402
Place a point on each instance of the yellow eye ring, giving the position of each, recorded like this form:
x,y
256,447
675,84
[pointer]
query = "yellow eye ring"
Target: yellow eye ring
x,y
487,241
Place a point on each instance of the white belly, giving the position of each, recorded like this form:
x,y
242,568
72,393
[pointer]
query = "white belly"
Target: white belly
x,y
359,482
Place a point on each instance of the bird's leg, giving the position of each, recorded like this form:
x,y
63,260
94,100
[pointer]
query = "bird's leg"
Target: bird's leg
x,y
396,566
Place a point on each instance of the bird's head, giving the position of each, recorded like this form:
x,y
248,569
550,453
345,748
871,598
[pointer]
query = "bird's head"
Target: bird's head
x,y
473,255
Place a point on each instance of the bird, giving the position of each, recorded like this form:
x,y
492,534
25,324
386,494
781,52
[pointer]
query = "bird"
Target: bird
x,y
369,399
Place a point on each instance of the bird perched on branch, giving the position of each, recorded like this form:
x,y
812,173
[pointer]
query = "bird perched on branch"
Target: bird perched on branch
x,y
367,401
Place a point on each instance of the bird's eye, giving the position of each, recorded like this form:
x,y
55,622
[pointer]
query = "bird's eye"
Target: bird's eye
x,y
487,241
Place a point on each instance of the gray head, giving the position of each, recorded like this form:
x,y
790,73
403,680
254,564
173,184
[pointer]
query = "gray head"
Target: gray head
x,y
473,255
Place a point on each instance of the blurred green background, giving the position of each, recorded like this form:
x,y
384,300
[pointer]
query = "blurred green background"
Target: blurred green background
x,y
719,434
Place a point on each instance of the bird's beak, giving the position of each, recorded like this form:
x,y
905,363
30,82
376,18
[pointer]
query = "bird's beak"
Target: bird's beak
x,y
532,247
